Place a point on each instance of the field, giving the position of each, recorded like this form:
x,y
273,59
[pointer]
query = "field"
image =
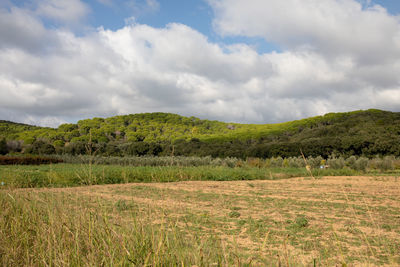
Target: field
x,y
64,175
328,221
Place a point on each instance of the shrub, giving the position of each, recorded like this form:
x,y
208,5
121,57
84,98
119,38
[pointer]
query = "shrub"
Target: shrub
x,y
14,146
351,161
336,163
386,164
276,162
254,162
396,164
382,164
314,162
27,160
296,162
361,164
230,162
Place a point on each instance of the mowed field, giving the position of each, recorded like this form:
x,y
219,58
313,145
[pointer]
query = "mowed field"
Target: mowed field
x,y
329,221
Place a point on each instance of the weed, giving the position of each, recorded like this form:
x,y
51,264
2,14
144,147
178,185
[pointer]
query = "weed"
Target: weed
x,y
234,214
122,205
301,221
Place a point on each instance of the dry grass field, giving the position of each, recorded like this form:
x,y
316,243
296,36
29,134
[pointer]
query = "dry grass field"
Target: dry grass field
x,y
330,221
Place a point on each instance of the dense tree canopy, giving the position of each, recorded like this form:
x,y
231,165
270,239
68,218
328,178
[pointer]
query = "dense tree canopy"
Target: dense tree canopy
x,y
371,132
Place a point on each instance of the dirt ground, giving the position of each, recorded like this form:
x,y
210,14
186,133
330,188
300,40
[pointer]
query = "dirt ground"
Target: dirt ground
x,y
353,220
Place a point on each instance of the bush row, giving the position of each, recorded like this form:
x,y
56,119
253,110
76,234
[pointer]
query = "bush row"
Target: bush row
x,y
353,162
28,160
149,160
333,162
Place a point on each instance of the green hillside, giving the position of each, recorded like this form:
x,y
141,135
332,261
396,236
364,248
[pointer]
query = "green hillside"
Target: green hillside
x,y
359,132
8,128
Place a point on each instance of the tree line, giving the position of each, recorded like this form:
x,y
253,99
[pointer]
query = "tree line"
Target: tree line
x,y
362,133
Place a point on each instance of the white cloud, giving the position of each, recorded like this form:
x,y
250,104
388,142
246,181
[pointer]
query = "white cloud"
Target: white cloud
x,y
329,27
52,76
19,29
64,11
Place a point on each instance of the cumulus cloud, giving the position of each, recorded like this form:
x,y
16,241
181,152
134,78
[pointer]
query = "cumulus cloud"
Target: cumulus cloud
x,y
19,29
333,49
329,27
51,76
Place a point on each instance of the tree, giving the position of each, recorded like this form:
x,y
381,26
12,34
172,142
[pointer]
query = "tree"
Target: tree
x,y
41,147
138,148
3,147
112,149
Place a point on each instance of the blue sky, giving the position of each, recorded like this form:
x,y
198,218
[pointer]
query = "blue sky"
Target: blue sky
x,y
197,14
258,61
392,6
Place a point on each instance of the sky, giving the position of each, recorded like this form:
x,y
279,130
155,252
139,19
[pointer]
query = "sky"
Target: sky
x,y
246,61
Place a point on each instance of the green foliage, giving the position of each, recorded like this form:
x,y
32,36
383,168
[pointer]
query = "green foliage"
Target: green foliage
x,y
11,129
67,127
28,160
382,164
3,147
64,175
165,134
89,170
361,164
28,140
58,143
336,163
301,221
77,148
41,148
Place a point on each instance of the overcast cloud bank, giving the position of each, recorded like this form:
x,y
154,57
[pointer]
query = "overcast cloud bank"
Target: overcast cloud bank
x,y
336,56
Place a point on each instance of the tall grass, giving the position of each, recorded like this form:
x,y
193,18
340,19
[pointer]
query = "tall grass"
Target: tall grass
x,y
91,170
63,175
180,161
45,229
104,226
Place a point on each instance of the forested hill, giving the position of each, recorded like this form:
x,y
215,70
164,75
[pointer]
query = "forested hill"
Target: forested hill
x,y
9,128
366,133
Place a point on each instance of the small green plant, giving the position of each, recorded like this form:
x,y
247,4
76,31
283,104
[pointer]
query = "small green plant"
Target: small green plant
x,y
234,214
298,224
301,221
122,205
250,184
